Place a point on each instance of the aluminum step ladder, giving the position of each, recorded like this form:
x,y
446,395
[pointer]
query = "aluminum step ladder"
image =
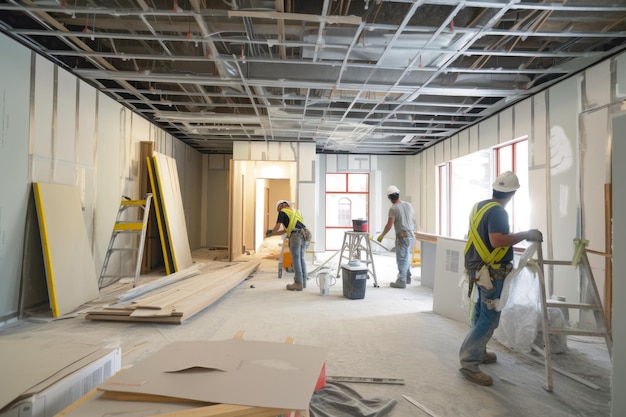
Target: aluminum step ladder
x,y
125,226
580,261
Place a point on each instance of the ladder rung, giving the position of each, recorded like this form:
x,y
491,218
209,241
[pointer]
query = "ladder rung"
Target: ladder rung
x,y
577,332
559,304
128,226
133,202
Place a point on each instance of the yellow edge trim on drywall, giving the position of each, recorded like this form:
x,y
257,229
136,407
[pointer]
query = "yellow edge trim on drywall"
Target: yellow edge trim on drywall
x,y
158,209
167,223
46,251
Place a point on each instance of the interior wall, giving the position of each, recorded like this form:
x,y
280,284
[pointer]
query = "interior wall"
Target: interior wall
x,y
618,173
14,162
568,150
57,129
215,203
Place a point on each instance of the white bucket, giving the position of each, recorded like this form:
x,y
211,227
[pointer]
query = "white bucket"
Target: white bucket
x,y
323,281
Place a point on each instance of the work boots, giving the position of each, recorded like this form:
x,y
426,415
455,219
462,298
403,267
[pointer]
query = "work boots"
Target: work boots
x,y
398,284
296,286
489,357
478,377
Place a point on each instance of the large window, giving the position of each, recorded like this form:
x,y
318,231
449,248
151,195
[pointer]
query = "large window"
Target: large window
x,y
464,181
347,196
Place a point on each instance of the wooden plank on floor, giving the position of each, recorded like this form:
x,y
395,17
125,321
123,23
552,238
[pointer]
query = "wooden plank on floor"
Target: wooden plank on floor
x,y
182,299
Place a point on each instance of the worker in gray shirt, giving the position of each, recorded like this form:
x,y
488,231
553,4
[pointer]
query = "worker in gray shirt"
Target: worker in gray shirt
x,y
402,218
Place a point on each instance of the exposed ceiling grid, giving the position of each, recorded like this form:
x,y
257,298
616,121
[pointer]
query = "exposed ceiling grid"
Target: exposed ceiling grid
x,y
362,76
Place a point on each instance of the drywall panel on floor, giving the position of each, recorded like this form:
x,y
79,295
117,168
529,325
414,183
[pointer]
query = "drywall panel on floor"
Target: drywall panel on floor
x,y
69,265
38,359
448,296
14,138
261,374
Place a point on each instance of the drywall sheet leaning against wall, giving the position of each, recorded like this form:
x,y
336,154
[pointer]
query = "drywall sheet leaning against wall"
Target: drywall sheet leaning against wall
x,y
70,270
171,210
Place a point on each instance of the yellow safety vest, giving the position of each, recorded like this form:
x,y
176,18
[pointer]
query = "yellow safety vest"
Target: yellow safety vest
x,y
489,258
294,218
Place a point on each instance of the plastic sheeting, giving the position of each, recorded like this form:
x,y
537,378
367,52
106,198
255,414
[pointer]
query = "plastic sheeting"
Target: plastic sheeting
x,y
339,400
521,312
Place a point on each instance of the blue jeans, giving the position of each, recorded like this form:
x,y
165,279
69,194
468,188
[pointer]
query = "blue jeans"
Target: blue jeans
x,y
484,323
404,246
298,244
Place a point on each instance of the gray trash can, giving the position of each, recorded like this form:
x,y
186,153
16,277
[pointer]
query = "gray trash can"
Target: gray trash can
x,y
354,277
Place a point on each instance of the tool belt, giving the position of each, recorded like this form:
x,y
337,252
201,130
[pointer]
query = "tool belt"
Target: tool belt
x,y
306,235
494,273
402,234
500,273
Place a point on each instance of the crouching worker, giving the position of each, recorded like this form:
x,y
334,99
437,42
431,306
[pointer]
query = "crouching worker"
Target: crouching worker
x,y
299,240
489,243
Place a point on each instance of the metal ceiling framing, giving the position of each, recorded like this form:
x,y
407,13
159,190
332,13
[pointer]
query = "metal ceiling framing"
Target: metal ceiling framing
x,y
369,77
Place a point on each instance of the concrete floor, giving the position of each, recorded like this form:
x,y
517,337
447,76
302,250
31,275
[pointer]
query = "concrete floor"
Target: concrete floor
x,y
391,333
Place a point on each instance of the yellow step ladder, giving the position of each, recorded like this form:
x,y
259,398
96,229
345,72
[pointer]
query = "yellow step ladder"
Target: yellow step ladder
x,y
125,226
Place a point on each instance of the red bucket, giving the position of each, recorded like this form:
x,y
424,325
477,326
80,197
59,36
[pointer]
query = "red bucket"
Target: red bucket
x,y
359,225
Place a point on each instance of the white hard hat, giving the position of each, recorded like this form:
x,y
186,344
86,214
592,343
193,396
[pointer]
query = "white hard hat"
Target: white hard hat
x,y
279,202
506,182
392,189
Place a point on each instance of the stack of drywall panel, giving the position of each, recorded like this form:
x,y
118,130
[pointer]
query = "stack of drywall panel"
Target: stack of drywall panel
x,y
176,302
48,373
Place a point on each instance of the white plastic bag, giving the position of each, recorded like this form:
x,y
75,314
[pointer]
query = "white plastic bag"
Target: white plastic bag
x,y
521,313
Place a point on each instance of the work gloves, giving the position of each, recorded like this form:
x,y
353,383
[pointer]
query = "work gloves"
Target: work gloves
x,y
269,232
534,235
380,238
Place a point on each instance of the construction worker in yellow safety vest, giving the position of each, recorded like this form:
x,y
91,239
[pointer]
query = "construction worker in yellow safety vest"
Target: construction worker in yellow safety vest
x,y
489,245
290,222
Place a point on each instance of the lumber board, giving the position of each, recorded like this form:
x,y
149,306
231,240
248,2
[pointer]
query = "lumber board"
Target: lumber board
x,y
228,410
167,280
151,312
179,301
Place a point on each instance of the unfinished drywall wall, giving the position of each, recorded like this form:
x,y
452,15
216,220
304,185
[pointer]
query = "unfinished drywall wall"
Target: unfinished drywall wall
x,y
618,173
57,129
14,140
569,149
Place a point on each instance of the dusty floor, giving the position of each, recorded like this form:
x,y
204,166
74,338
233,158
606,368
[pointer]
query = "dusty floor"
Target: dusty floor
x,y
391,333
